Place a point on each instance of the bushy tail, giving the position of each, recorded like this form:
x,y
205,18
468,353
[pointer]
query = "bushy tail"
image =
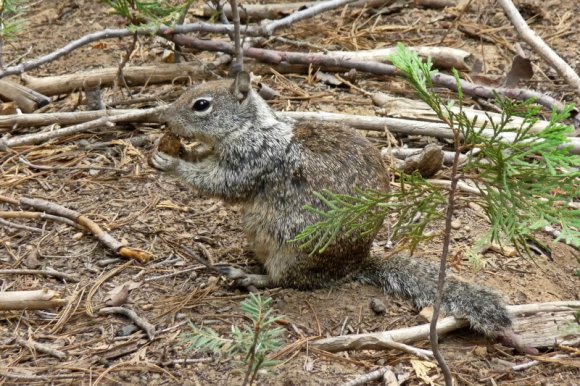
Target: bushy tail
x,y
417,280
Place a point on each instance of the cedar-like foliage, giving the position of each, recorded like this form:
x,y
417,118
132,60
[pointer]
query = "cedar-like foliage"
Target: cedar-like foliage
x,y
526,180
250,344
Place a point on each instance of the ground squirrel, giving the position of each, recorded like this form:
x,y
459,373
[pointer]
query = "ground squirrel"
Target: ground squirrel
x,y
271,165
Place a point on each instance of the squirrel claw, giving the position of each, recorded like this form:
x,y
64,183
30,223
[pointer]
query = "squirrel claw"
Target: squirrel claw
x,y
163,161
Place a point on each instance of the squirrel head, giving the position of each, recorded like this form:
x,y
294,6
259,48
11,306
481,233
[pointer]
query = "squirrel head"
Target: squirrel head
x,y
212,111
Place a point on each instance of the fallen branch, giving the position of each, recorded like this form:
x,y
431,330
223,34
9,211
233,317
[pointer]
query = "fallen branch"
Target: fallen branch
x,y
139,322
64,119
360,122
120,33
530,37
534,308
26,99
257,12
418,352
105,77
376,375
402,126
37,215
320,60
40,347
269,28
400,107
104,237
43,299
227,29
383,339
107,120
43,272
23,374
442,57
527,365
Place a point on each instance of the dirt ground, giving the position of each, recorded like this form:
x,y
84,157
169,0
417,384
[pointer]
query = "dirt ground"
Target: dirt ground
x,y
113,185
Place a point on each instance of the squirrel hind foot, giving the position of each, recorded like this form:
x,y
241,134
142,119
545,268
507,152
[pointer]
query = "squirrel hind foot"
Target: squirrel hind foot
x,y
246,280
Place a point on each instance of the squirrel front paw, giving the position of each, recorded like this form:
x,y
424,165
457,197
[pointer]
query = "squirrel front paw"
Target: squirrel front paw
x,y
170,147
163,161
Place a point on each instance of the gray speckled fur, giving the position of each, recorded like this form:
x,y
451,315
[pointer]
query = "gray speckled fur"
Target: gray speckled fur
x,y
271,166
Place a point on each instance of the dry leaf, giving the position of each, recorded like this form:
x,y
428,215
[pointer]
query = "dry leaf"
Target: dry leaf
x,y
120,294
119,298
521,71
422,369
99,46
168,56
31,260
168,204
140,356
328,79
9,108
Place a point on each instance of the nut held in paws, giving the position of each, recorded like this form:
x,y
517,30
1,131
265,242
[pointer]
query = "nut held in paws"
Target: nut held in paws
x,y
170,144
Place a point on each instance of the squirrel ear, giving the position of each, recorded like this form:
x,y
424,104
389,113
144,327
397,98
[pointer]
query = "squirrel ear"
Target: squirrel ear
x,y
241,86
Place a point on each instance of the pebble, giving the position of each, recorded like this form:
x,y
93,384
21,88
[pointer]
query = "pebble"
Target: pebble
x,y
456,224
378,306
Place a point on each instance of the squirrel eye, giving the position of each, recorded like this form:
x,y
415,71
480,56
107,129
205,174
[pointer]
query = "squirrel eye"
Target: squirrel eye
x,y
201,105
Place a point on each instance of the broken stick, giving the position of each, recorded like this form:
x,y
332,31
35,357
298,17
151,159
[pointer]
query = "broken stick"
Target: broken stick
x,y
104,237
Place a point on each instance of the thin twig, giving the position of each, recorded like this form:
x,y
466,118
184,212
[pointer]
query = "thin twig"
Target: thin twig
x,y
527,365
31,139
433,336
19,226
44,272
239,63
40,215
47,167
544,50
40,347
304,14
369,377
113,34
124,61
104,237
228,29
139,322
439,79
